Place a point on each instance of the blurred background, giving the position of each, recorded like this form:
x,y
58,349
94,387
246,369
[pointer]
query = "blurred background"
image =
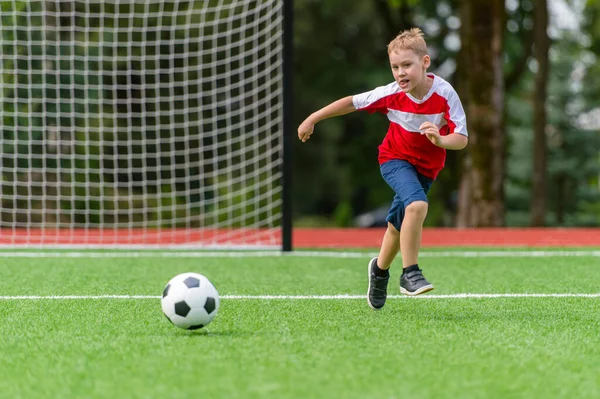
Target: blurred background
x,y
526,72
165,118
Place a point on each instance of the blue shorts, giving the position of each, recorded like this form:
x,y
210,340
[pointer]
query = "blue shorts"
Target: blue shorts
x,y
409,186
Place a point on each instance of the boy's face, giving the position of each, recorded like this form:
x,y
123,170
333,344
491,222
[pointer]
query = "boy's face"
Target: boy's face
x,y
409,69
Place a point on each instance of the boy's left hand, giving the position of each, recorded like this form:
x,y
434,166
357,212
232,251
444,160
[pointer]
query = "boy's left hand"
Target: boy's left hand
x,y
432,132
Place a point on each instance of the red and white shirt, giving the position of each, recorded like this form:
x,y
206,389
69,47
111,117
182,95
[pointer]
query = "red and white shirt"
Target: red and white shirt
x,y
403,140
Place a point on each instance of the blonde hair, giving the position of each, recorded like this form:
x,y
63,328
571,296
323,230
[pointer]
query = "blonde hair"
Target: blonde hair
x,y
411,39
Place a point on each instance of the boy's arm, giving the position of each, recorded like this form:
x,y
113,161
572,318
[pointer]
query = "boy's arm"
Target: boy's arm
x,y
457,123
340,107
452,141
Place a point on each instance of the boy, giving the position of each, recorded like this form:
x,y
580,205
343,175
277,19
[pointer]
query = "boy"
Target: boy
x,y
426,118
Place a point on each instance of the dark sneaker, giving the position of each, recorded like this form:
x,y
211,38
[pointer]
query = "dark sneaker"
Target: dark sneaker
x,y
377,288
414,283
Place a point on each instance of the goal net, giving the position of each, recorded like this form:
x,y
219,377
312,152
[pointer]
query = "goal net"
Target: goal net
x,y
141,123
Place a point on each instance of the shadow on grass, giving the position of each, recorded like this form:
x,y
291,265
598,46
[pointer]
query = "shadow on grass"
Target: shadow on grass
x,y
204,333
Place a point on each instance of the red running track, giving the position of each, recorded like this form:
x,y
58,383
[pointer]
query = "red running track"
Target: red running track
x,y
307,238
449,237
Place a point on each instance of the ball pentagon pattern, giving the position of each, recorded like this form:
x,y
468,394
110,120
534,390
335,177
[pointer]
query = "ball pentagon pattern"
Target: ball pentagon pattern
x,y
190,301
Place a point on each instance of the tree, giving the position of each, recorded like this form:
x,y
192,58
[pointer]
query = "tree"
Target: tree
x,y
572,197
481,193
541,48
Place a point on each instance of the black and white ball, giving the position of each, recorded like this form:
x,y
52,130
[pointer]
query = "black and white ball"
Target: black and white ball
x,y
190,301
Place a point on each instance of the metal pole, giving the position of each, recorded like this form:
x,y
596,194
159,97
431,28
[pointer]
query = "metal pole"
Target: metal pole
x,y
288,128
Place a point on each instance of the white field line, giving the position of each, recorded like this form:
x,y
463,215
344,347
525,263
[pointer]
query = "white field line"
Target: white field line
x,y
295,254
303,297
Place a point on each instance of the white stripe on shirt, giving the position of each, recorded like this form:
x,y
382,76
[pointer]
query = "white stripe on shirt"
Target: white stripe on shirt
x,y
411,122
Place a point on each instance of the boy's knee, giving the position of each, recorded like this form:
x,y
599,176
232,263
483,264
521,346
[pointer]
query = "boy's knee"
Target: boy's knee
x,y
417,209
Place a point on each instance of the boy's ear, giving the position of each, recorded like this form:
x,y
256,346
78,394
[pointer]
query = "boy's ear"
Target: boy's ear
x,y
426,61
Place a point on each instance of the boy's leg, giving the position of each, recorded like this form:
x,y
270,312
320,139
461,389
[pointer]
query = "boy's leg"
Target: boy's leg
x,y
389,247
412,281
411,232
378,282
407,215
378,267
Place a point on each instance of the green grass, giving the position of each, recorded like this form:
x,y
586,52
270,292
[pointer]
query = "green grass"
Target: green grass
x,y
309,348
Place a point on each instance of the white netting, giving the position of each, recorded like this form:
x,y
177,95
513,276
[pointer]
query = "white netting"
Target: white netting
x,y
141,122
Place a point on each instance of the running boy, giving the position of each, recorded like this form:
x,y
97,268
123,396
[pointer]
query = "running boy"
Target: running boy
x,y
426,118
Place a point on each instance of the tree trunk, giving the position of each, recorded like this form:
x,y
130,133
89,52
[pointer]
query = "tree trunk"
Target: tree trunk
x,y
481,192
560,181
542,46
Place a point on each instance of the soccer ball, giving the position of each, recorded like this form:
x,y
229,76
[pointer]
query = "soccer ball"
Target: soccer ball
x,y
190,301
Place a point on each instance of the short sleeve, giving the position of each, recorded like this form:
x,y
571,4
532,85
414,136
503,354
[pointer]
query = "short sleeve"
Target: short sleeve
x,y
455,115
376,100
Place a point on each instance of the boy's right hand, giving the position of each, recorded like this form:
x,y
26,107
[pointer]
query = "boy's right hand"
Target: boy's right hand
x,y
305,130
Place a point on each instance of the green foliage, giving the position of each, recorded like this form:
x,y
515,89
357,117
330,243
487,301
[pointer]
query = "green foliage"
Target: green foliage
x,y
65,82
339,51
573,158
248,203
343,214
339,164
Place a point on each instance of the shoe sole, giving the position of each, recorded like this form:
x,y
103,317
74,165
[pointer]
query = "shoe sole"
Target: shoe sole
x,y
420,291
369,289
